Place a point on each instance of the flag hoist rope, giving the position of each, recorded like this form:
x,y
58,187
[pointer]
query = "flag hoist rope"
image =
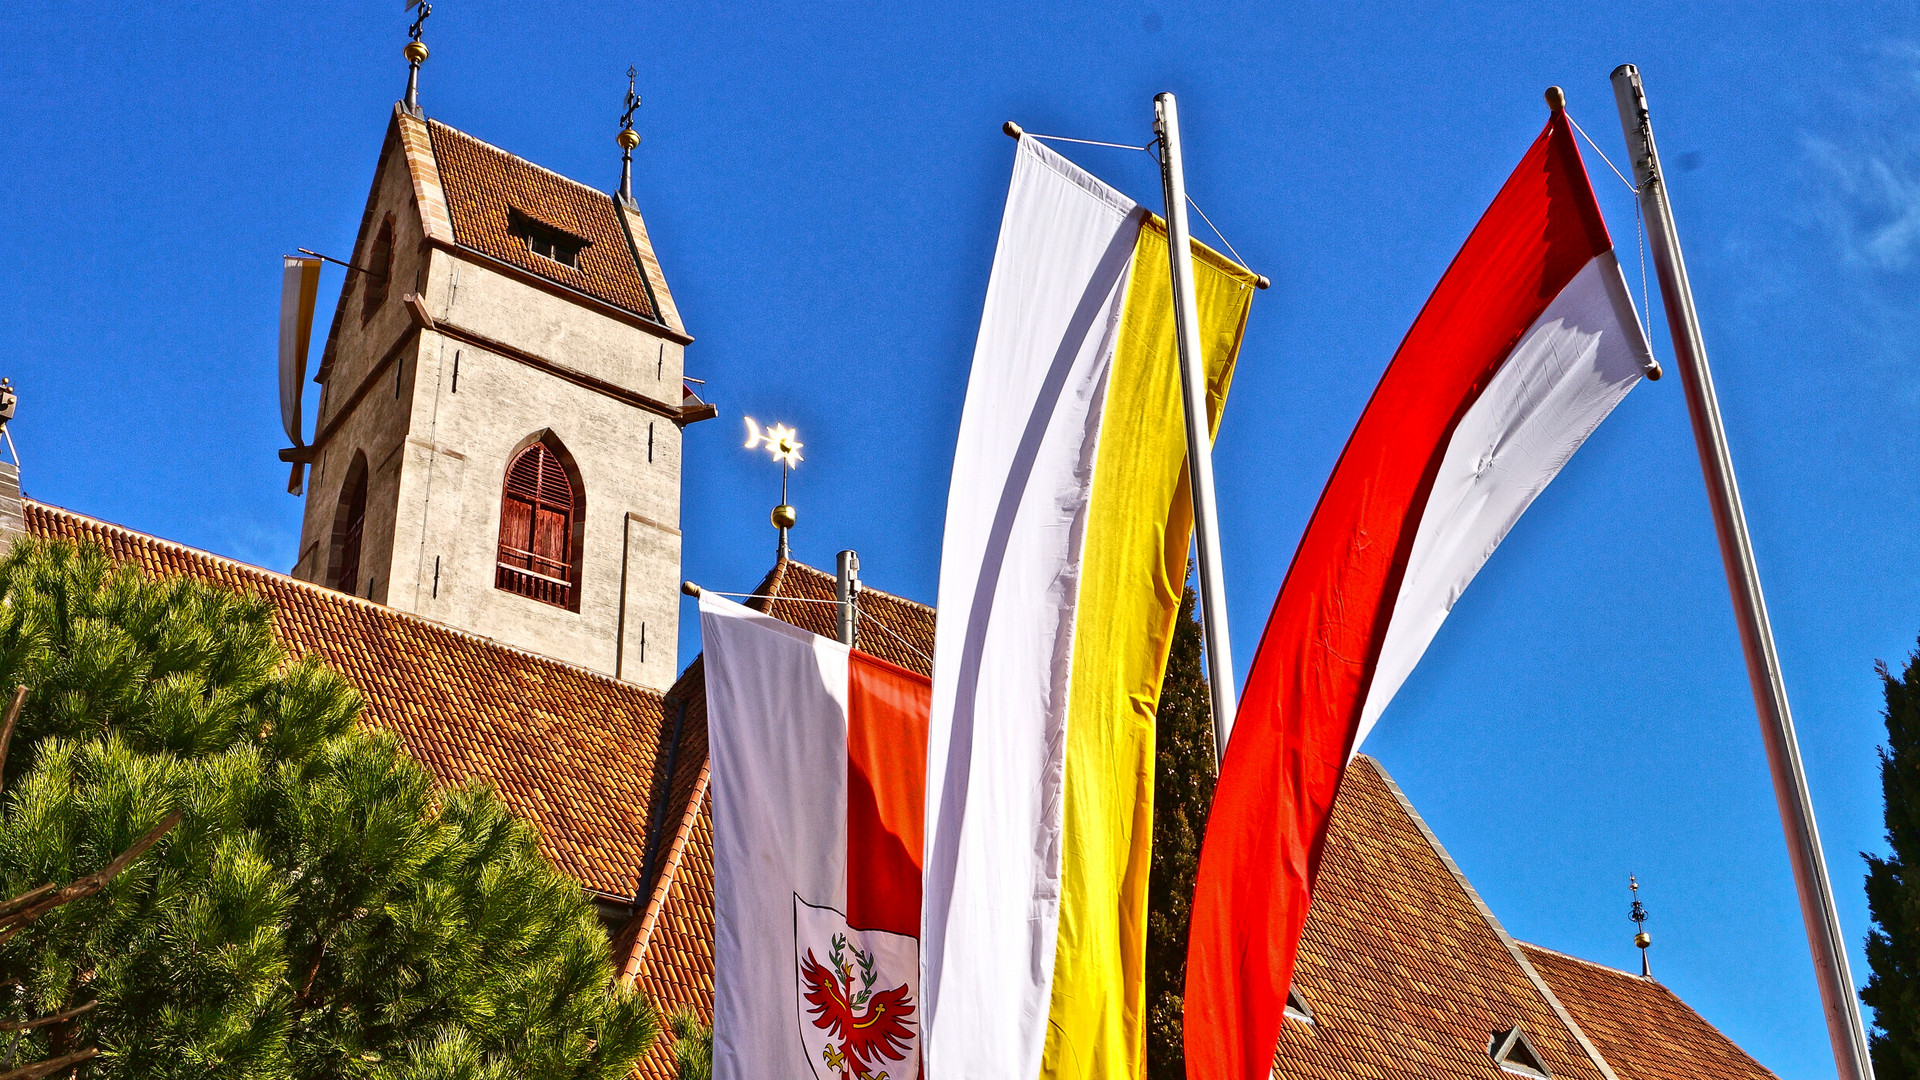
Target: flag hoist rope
x,y
1193,382
1817,910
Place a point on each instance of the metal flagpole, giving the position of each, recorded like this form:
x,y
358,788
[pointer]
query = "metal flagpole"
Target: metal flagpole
x,y
1193,381
1829,947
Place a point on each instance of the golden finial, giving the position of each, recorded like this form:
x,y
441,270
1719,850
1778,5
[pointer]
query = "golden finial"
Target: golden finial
x,y
1641,939
415,52
784,444
628,138
1556,99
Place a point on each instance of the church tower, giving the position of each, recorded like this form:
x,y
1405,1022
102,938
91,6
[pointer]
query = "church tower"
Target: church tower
x,y
499,430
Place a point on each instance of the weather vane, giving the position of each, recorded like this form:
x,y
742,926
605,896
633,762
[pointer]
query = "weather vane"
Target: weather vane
x,y
628,138
413,32
1641,938
416,51
783,443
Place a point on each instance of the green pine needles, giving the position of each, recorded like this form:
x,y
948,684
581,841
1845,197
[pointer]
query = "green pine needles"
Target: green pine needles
x,y
322,910
1893,887
1182,793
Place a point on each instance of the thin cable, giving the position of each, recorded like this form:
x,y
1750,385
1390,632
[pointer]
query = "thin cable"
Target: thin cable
x,y
1089,142
1640,238
1639,227
1221,235
904,643
1603,154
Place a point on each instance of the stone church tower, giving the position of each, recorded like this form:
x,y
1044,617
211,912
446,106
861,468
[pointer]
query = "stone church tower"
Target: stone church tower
x,y
498,439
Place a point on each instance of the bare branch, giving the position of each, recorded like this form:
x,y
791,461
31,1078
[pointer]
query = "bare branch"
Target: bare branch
x,y
6,733
40,1069
88,885
50,1018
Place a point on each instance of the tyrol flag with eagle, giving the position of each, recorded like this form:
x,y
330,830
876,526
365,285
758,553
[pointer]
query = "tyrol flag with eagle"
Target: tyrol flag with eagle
x,y
818,756
1526,345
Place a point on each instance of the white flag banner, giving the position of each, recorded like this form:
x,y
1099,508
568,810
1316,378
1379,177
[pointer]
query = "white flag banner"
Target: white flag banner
x,y
816,754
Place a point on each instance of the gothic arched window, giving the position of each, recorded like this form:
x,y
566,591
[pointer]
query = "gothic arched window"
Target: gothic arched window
x,y
349,523
540,513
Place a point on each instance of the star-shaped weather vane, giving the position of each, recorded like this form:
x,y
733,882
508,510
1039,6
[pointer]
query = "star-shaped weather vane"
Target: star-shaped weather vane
x,y
783,443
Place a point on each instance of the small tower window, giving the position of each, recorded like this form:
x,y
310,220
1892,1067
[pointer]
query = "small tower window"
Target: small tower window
x,y
540,512
379,270
546,241
349,527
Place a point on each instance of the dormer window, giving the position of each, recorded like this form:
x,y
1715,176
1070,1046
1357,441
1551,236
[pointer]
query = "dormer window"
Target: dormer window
x,y
1514,1053
547,241
1297,1008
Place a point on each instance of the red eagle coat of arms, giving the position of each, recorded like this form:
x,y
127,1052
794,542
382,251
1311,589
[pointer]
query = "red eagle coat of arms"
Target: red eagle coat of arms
x,y
859,997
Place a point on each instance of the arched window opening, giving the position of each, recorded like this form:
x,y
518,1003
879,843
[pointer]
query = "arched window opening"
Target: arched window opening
x,y
379,268
539,516
349,525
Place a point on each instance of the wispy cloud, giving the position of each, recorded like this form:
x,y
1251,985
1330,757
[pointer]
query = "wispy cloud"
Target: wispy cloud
x,y
1867,165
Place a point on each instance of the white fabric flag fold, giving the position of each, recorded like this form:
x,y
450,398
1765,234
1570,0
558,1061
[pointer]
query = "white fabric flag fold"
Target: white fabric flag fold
x,y
1009,576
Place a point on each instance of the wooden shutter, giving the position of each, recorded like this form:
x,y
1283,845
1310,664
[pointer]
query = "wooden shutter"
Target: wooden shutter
x,y
536,528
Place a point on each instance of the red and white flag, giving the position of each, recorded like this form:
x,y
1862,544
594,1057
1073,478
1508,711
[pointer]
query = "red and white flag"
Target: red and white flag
x,y
1528,342
818,755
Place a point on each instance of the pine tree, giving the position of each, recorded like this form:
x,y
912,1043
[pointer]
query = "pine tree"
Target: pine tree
x,y
321,910
1182,793
1893,887
692,1046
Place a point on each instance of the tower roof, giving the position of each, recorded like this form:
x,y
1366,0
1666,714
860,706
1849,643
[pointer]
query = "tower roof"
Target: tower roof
x,y
489,192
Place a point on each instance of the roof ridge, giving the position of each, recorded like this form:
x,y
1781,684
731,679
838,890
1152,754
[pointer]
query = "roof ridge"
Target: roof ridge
x,y
336,596
530,164
1493,923
1608,968
864,587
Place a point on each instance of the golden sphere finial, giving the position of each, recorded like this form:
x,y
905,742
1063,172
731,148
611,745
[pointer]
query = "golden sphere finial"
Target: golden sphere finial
x,y
628,138
1556,98
415,52
1643,939
784,516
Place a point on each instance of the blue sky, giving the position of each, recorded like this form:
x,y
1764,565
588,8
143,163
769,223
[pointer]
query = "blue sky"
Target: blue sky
x,y
824,185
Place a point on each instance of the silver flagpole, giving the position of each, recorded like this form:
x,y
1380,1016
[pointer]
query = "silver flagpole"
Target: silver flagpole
x,y
1193,381
1829,946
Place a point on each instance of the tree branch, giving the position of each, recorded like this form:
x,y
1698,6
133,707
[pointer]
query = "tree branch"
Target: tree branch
x,y
88,885
50,1066
50,1018
6,733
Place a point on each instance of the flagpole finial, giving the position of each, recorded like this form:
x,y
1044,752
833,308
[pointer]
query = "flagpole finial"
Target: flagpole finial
x,y
1012,130
1556,99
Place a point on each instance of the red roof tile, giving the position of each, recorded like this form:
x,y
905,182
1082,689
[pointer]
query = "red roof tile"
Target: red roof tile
x,y
1405,970
570,750
1642,1028
485,186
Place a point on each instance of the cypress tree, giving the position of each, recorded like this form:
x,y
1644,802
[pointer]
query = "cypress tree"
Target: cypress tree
x,y
1182,793
1893,887
322,909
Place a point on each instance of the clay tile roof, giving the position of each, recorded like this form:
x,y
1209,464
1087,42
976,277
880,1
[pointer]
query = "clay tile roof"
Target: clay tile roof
x,y
1642,1028
485,186
1405,971
567,749
669,947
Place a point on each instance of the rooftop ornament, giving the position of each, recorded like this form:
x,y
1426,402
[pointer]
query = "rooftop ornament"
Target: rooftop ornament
x,y
783,443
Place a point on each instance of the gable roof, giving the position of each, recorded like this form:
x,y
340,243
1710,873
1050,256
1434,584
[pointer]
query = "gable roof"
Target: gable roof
x,y
1642,1028
1403,967
568,749
485,186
